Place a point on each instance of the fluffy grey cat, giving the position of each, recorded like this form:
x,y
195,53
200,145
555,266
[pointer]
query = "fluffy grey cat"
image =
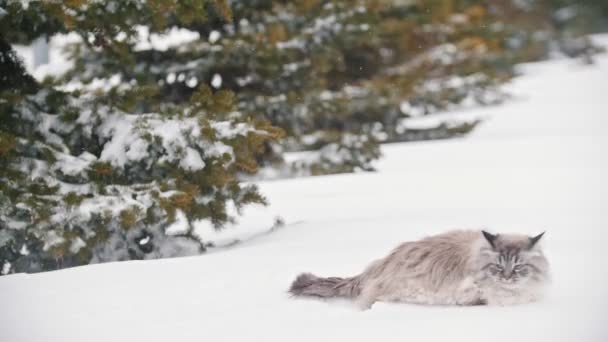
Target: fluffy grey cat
x,y
454,268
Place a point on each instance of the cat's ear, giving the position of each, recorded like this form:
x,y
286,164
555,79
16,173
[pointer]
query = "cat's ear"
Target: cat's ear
x,y
490,237
534,240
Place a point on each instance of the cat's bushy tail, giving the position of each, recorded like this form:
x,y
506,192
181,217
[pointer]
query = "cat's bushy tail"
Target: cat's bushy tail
x,y
307,284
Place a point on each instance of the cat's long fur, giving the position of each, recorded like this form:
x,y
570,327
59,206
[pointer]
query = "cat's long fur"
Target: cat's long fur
x,y
454,268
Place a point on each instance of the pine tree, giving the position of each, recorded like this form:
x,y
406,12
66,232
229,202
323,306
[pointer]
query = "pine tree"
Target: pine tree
x,y
168,104
114,172
337,76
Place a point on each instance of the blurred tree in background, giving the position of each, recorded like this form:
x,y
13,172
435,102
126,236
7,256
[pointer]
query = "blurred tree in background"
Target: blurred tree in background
x,y
167,104
114,172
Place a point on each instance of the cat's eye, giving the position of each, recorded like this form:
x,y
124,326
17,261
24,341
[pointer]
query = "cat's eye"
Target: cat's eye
x,y
495,269
521,270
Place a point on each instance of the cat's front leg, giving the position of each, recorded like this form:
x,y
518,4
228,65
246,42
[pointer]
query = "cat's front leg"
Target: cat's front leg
x,y
472,300
478,301
476,297
470,294
367,298
364,304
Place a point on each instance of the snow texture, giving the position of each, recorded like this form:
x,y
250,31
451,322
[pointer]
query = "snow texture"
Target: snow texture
x,y
537,163
57,54
173,37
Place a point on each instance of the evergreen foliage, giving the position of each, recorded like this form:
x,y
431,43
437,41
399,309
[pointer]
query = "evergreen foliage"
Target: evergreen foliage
x,y
168,104
105,174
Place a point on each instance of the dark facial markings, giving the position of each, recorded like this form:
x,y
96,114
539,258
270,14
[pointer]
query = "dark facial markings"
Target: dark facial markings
x,y
492,268
531,267
509,265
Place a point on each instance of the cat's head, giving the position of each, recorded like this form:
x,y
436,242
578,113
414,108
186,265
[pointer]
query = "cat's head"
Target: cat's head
x,y
513,258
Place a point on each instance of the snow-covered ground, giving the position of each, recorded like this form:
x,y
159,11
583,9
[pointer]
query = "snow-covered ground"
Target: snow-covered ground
x,y
537,163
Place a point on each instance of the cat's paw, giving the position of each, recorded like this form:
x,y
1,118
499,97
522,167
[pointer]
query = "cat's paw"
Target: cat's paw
x,y
479,301
364,305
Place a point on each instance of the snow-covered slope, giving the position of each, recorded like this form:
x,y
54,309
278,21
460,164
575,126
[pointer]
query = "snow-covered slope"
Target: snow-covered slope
x,y
537,163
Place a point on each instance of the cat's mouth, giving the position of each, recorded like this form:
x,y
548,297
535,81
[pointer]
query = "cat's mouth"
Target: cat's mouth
x,y
510,280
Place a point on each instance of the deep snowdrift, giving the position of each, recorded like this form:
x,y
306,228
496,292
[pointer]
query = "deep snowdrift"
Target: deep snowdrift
x,y
537,163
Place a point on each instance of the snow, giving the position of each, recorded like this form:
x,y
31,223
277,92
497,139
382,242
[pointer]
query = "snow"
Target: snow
x,y
57,54
144,240
76,245
6,267
536,163
292,44
192,161
60,63
406,108
24,250
214,36
192,82
16,225
124,146
216,81
171,38
73,166
51,239
117,150
179,226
